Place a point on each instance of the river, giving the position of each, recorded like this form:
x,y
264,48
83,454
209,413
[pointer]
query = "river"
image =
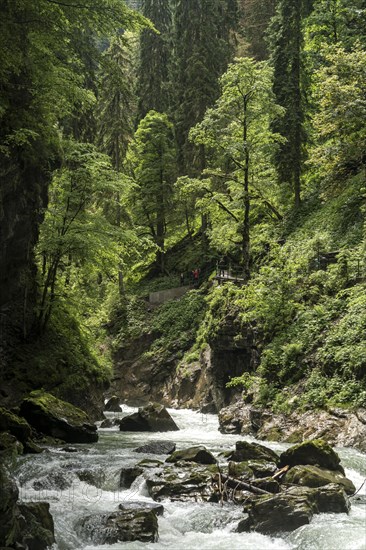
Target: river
x,y
184,526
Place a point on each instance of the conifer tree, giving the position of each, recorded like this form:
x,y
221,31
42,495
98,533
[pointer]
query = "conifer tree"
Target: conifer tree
x,y
286,41
155,52
202,51
152,162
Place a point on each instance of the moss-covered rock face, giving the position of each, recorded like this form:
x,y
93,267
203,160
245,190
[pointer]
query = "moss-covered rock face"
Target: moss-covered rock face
x,y
57,418
9,524
38,530
10,422
316,452
313,476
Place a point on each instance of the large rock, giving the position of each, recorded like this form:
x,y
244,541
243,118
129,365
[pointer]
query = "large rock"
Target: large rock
x,y
10,447
9,522
186,484
152,418
128,476
37,522
253,451
157,448
198,454
332,499
316,452
158,509
17,426
58,418
313,476
281,512
113,405
121,526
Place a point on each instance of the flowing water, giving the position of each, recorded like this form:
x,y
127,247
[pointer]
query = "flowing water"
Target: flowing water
x,y
184,526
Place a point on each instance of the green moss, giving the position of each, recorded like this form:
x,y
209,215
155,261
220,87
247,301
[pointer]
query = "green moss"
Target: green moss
x,y
56,407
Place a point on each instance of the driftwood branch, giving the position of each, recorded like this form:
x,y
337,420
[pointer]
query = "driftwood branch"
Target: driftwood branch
x,y
239,485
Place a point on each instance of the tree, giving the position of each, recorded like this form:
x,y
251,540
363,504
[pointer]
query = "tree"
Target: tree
x,y
115,113
237,134
286,44
255,16
43,81
153,87
152,163
339,122
202,51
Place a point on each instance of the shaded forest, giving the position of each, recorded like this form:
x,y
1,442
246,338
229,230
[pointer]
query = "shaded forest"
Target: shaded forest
x,y
142,140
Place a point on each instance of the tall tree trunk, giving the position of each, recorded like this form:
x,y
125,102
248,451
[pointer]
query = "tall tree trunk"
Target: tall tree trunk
x,y
246,226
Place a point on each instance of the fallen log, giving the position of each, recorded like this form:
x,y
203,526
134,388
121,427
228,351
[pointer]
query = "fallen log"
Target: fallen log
x,y
237,484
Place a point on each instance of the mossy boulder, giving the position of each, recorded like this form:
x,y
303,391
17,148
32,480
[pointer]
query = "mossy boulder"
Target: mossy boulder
x,y
158,509
58,418
281,512
9,521
198,454
186,483
313,476
121,526
38,531
152,418
240,470
315,452
253,451
10,447
10,422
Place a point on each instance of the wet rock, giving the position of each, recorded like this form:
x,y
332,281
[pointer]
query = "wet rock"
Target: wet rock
x,y
150,463
128,476
69,449
197,454
17,426
281,512
158,509
253,451
234,419
57,418
332,499
110,423
241,471
31,447
157,448
9,522
152,418
316,452
267,484
262,468
38,529
94,477
122,526
313,476
10,447
189,483
113,404
57,479
209,408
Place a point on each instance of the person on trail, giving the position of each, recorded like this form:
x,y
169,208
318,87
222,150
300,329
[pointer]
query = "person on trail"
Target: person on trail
x,y
196,274
181,279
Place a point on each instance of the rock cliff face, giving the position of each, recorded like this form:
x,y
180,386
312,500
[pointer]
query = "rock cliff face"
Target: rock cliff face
x,y
202,384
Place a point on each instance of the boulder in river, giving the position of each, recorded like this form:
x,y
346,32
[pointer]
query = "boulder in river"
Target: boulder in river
x,y
17,426
152,418
158,509
58,418
198,454
253,451
113,404
313,476
280,512
157,448
121,526
315,452
128,476
37,525
186,483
